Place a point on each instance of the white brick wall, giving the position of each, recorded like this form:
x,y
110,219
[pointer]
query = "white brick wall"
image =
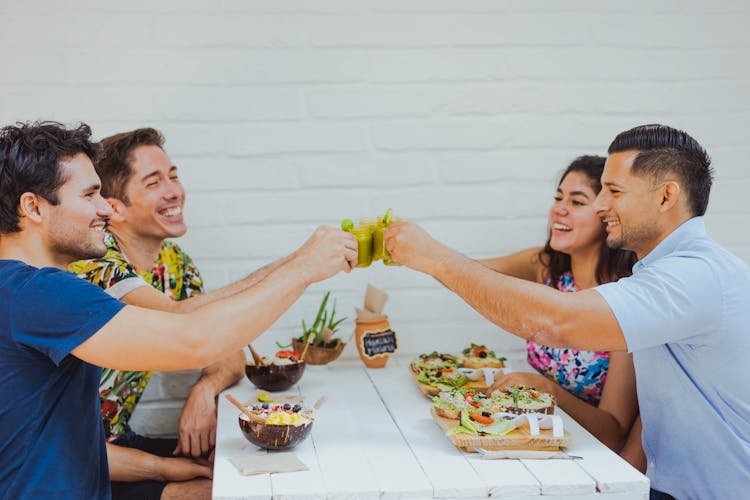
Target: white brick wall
x,y
459,115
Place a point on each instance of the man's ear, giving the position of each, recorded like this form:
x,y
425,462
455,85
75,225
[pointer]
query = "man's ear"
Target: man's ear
x,y
118,209
671,194
29,207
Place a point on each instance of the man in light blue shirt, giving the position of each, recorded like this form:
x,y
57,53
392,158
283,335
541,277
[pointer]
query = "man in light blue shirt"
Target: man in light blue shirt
x,y
685,312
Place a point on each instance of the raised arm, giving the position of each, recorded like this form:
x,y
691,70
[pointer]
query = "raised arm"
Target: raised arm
x,y
150,298
524,264
529,310
144,339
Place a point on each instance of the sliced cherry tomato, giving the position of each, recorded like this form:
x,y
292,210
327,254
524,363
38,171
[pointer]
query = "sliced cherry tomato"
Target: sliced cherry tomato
x,y
534,394
470,400
446,370
287,354
481,419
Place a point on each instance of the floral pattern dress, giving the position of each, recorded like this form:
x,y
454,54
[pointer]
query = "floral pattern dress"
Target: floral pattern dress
x,y
582,373
174,274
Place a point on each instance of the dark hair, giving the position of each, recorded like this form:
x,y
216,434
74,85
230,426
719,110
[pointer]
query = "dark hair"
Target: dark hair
x,y
612,264
114,165
665,150
30,156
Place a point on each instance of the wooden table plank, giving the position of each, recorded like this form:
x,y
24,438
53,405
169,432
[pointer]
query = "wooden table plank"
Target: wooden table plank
x,y
355,434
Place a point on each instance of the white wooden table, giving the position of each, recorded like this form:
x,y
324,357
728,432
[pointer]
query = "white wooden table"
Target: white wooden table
x,y
374,438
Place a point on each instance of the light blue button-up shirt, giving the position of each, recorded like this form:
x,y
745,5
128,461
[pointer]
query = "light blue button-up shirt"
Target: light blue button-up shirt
x,y
685,315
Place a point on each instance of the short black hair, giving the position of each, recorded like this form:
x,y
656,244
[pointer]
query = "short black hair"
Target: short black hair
x,y
665,150
30,157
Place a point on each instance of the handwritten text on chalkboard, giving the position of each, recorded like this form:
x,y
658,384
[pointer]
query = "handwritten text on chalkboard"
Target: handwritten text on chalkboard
x,y
378,343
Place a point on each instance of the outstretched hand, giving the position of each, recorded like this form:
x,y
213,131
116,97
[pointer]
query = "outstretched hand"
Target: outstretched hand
x,y
327,251
409,244
529,379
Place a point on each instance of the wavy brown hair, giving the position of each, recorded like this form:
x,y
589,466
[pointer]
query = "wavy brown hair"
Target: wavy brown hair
x,y
612,264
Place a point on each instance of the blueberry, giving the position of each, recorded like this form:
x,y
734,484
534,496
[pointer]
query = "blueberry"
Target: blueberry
x,y
287,406
438,374
482,354
265,406
292,358
256,408
297,408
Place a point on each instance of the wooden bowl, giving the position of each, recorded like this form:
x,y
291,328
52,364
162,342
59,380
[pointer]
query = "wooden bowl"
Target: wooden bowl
x,y
275,377
273,437
319,355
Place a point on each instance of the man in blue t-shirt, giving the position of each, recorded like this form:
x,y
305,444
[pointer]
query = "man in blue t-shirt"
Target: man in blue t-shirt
x,y
684,313
56,329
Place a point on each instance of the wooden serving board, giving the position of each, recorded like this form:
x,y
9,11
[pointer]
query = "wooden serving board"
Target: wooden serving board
x,y
519,439
429,390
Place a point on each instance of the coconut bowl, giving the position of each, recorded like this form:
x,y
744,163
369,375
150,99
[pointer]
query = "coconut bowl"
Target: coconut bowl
x,y
275,377
273,437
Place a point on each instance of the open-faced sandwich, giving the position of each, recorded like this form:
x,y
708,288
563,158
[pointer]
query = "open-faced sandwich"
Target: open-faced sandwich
x,y
432,361
449,404
479,356
481,423
433,381
521,399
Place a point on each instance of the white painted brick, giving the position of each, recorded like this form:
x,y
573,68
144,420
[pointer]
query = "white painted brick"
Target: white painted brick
x,y
373,30
193,140
540,165
729,197
507,199
730,162
235,30
295,6
438,135
373,173
295,138
292,207
345,103
238,174
264,242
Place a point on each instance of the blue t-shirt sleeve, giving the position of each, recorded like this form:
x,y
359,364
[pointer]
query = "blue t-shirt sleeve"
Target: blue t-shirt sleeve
x,y
54,312
676,300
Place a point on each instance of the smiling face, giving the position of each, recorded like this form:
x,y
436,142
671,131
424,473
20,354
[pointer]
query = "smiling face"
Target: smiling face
x,y
75,226
575,226
629,206
156,196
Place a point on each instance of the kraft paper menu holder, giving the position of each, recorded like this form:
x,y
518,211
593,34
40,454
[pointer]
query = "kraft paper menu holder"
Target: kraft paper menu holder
x,y
373,335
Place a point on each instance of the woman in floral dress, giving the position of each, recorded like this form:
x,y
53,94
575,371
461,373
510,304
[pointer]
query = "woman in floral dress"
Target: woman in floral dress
x,y
576,257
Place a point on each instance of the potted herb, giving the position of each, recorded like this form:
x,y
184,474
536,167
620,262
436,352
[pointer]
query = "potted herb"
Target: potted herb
x,y
324,347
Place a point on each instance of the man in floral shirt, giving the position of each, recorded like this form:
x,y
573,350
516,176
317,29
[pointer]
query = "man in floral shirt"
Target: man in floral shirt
x,y
141,184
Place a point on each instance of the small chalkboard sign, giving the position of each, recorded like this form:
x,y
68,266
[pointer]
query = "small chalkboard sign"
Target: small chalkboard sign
x,y
379,343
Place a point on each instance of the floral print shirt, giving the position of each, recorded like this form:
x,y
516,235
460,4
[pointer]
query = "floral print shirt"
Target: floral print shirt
x,y
176,276
582,373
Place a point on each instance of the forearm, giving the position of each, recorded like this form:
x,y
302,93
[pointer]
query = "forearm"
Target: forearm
x,y
253,279
496,296
222,374
168,341
602,424
129,464
530,310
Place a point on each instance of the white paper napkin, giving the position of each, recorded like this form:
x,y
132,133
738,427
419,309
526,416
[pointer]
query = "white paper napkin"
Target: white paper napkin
x,y
269,463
